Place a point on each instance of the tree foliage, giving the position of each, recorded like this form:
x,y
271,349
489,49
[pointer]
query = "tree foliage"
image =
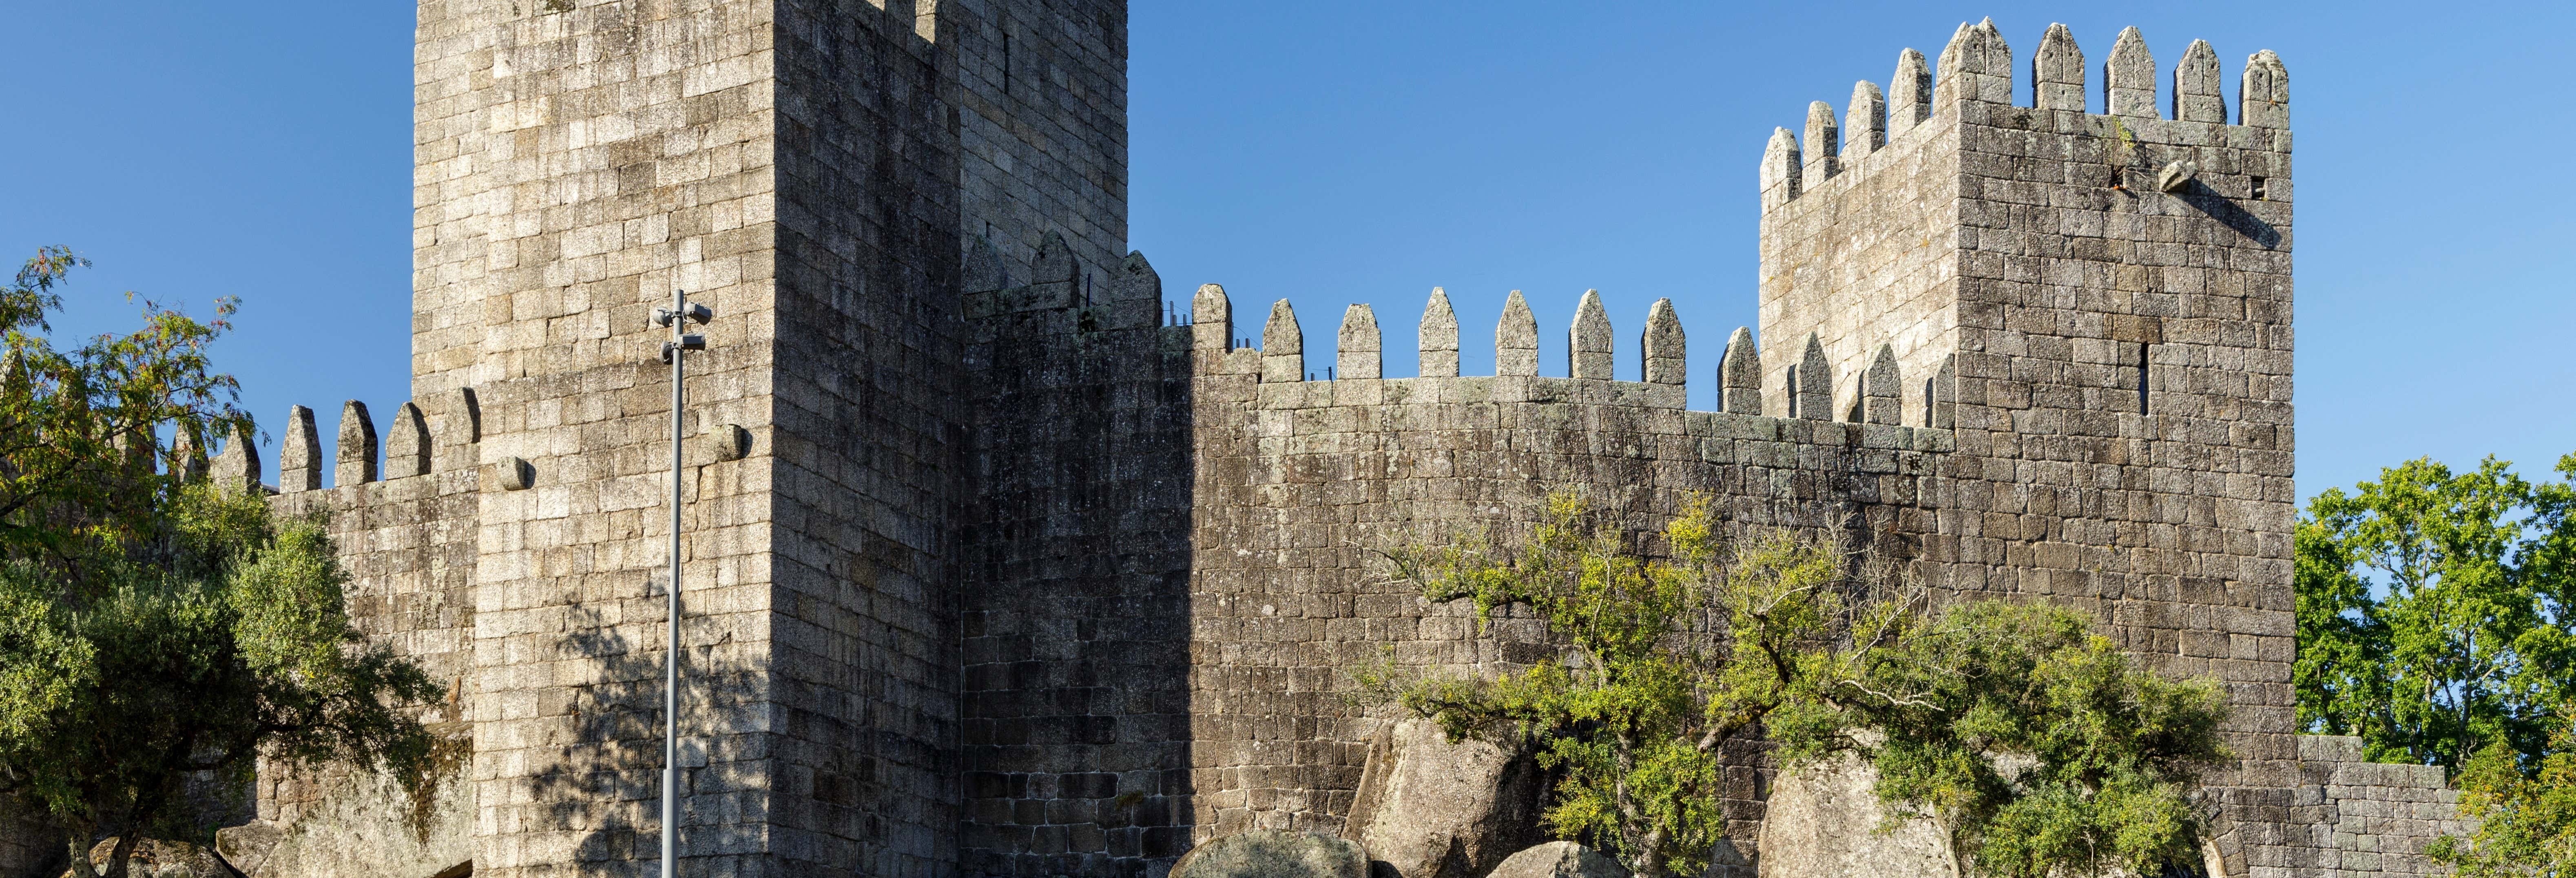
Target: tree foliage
x,y
2037,745
153,628
2525,809
80,427
2437,612
1633,719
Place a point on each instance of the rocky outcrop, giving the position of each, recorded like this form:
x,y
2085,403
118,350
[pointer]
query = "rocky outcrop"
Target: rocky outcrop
x,y
162,859
364,823
1274,853
1559,859
1824,821
247,846
1430,808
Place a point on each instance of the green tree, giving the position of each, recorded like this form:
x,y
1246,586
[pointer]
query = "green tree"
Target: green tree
x,y
79,427
1634,718
2437,611
2526,812
2036,744
152,628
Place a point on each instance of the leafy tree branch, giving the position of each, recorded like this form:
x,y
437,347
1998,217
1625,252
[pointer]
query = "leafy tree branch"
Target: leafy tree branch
x,y
153,628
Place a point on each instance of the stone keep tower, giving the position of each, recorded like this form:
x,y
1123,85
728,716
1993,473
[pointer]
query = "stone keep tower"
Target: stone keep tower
x,y
994,569
811,168
2097,307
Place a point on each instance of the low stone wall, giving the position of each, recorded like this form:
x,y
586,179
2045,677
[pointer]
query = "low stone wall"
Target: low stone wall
x,y
2371,818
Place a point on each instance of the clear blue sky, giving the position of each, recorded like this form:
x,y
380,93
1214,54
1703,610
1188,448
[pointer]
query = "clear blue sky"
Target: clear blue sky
x,y
1296,150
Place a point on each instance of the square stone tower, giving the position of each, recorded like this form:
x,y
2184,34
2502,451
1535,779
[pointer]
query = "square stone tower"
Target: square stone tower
x,y
2099,305
814,169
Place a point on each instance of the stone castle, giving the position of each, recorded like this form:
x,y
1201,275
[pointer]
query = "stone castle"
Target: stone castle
x,y
997,567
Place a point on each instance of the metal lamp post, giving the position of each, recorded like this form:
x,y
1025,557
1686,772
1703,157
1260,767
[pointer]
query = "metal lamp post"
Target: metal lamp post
x,y
677,317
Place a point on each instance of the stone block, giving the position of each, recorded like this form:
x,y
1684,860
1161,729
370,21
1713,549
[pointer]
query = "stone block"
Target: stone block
x,y
1273,853
1559,859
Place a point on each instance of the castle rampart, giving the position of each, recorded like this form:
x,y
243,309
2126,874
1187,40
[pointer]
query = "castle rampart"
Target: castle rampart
x,y
999,565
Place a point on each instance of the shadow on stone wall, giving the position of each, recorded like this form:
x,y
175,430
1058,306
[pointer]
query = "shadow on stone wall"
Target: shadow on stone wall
x,y
613,761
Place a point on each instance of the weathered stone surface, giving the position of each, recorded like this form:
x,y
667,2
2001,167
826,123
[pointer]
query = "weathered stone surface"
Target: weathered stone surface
x,y
1810,391
2057,72
247,846
1666,350
1432,808
2378,818
1283,346
1782,178
1739,375
1588,342
1909,93
1882,388
2196,91
2263,99
365,824
1865,122
1559,859
299,453
1823,821
407,443
2175,176
355,455
1359,342
1515,339
1274,853
1822,146
153,858
2129,77
1438,338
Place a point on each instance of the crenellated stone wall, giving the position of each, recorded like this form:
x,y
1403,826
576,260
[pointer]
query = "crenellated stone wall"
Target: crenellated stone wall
x,y
1023,574
2110,325
1300,482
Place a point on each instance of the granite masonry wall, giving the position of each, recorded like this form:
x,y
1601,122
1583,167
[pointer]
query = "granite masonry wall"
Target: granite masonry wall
x,y
402,511
1076,719
1041,90
1298,482
2370,818
1020,573
860,534
577,162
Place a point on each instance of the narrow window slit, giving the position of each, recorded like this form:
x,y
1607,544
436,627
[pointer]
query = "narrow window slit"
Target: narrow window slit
x,y
2260,193
1793,391
2142,376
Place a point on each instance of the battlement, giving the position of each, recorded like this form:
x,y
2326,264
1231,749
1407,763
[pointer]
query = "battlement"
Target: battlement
x,y
1976,68
1287,381
423,438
